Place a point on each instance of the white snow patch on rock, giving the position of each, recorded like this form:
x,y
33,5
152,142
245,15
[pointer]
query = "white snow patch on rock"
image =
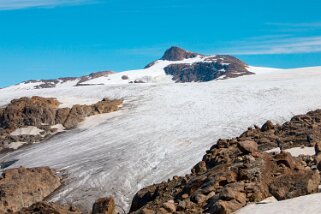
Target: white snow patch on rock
x,y
30,130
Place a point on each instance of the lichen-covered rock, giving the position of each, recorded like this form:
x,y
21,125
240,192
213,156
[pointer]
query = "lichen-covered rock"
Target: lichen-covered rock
x,y
22,187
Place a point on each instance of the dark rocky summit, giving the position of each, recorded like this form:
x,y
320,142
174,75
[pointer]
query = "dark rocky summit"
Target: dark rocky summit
x,y
206,69
210,69
238,171
43,113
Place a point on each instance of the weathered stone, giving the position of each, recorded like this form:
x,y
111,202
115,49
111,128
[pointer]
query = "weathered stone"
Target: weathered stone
x,y
248,146
295,184
31,185
267,126
143,197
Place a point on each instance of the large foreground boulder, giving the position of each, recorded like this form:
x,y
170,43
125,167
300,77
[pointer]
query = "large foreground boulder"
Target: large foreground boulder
x,y
22,187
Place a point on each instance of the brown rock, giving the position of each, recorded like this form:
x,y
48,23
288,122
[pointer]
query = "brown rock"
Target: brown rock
x,y
295,185
248,146
143,197
62,115
104,206
50,208
199,168
267,126
31,185
169,206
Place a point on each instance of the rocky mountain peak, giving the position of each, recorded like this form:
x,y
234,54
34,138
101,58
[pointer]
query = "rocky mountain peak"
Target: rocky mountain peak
x,y
177,54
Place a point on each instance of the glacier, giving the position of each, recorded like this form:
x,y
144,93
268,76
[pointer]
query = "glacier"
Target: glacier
x,y
163,129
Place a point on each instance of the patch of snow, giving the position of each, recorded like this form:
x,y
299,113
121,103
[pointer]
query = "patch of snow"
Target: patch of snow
x,y
306,204
59,127
30,130
296,151
14,145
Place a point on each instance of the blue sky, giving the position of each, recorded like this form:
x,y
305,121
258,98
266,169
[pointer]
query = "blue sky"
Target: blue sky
x,y
56,38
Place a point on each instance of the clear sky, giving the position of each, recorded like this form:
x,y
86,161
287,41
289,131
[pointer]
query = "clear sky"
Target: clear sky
x,y
57,38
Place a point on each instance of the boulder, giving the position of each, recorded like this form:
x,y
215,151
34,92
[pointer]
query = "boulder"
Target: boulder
x,y
22,187
267,126
248,146
143,197
295,184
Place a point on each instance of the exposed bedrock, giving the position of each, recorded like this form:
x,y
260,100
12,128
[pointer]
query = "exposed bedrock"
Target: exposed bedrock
x,y
38,114
211,68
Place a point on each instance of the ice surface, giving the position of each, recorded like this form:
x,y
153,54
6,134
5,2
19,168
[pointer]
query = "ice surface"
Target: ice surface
x,y
309,204
162,129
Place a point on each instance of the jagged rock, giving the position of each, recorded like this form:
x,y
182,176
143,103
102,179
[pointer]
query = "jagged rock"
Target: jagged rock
x,y
50,208
104,206
22,187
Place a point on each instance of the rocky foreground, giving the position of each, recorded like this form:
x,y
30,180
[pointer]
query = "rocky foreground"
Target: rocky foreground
x,y
28,120
239,171
232,174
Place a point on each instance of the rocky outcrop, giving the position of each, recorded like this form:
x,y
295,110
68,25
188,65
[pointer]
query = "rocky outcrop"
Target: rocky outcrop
x,y
238,171
52,208
79,81
210,69
43,113
22,187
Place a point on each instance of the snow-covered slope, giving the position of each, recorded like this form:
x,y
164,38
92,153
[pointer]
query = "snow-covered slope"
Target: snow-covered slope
x,y
162,130
309,204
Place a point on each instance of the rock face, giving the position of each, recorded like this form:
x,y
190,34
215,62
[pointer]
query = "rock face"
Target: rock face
x,y
238,171
23,187
210,69
43,113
